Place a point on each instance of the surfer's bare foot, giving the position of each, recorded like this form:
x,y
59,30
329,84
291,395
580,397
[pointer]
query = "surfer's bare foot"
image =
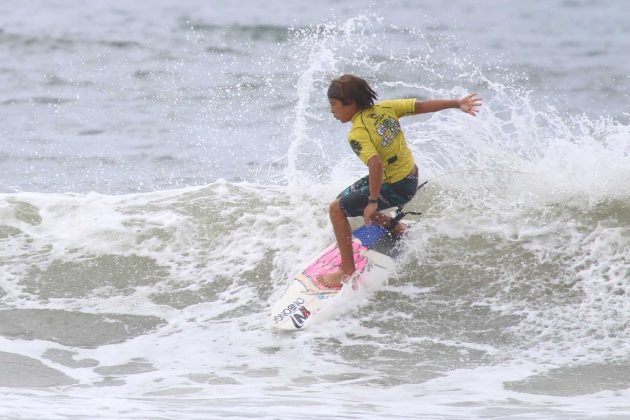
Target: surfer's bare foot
x,y
332,280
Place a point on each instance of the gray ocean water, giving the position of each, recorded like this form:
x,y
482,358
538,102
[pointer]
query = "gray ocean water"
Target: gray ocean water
x,y
165,168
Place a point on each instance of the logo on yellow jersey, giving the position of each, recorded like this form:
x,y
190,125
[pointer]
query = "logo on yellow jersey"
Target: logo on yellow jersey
x,y
356,147
388,129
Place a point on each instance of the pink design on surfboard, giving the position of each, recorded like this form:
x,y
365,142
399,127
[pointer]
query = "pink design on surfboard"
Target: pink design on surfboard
x,y
330,261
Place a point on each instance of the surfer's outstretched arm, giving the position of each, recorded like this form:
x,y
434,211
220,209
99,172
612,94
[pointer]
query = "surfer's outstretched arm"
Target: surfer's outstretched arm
x,y
469,104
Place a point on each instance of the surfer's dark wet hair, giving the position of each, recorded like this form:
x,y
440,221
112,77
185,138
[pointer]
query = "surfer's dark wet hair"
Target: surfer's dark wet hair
x,y
349,88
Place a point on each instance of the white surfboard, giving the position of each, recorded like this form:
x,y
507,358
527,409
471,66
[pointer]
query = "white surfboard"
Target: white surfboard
x,y
373,248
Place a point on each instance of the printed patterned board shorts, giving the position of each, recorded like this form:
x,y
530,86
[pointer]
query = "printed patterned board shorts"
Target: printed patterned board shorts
x,y
353,199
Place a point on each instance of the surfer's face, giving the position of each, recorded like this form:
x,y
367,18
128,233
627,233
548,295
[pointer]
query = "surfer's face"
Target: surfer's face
x,y
343,113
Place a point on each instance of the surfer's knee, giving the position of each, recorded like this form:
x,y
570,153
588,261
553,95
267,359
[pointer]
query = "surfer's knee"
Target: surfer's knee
x,y
335,209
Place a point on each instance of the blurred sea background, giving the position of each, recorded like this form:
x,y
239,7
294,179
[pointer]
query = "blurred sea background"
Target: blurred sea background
x,y
165,168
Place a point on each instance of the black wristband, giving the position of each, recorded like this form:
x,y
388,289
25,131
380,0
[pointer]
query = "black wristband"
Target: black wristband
x,y
372,200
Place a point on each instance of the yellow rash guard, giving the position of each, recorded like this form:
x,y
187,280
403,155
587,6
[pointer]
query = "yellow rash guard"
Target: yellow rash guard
x,y
376,131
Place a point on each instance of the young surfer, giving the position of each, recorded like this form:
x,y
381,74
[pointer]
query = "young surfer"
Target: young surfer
x,y
377,139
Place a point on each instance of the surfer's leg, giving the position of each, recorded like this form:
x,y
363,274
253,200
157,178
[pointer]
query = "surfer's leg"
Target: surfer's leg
x,y
343,234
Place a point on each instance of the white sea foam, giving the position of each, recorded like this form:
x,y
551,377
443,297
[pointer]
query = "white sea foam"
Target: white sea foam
x,y
512,290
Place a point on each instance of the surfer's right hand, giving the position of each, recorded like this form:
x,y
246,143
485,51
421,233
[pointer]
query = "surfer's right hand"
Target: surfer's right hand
x,y
368,212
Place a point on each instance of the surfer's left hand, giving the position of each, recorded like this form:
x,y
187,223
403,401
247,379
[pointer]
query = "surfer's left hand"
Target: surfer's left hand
x,y
470,104
368,212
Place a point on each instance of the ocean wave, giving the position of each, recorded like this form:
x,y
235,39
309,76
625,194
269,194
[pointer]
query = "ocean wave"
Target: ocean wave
x,y
512,283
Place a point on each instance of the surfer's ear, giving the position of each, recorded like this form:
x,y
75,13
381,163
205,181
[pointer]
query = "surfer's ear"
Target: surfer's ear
x,y
348,102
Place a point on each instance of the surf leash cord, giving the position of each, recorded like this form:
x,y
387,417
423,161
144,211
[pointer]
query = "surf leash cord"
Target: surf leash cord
x,y
400,213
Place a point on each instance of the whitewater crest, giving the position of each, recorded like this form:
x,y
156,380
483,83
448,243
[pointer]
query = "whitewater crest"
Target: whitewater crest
x,y
515,277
